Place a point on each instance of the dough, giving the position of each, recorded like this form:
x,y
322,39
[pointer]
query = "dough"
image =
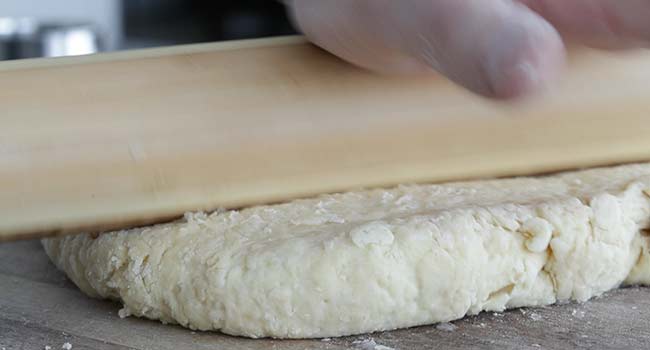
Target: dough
x,y
376,260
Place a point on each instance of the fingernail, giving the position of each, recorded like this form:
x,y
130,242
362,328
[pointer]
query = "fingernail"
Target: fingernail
x,y
518,79
524,61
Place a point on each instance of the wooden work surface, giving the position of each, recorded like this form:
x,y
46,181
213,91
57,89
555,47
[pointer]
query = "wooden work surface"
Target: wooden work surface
x,y
39,307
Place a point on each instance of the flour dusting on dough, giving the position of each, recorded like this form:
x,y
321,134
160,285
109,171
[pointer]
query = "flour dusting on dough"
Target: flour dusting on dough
x,y
377,260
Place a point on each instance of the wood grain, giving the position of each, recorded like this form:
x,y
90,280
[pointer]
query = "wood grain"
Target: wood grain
x,y
127,139
37,309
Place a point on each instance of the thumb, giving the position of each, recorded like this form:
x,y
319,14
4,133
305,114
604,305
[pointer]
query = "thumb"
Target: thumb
x,y
498,48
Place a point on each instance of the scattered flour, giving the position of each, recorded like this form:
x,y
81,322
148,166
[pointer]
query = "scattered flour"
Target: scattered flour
x,y
578,313
370,344
447,327
383,347
365,344
123,313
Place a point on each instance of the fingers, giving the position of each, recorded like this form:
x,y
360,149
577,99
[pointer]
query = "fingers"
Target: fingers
x,y
599,23
355,31
500,50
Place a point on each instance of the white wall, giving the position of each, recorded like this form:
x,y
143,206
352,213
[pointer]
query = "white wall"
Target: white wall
x,y
106,14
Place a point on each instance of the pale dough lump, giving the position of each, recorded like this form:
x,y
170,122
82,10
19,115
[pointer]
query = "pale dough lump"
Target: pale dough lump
x,y
376,260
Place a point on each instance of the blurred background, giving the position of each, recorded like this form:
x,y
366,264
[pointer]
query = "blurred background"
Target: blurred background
x,y
46,28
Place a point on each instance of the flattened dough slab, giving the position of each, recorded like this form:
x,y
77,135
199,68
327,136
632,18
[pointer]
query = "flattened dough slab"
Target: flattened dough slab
x,y
377,260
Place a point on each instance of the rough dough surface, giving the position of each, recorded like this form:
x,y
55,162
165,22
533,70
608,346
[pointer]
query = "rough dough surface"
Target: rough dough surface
x,y
377,260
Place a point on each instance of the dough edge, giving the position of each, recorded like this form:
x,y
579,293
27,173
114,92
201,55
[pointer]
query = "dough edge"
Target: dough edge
x,y
376,260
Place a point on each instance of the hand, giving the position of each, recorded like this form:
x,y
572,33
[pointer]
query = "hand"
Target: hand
x,y
498,48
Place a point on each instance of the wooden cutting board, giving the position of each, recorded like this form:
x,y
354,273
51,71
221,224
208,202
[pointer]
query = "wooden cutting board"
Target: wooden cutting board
x,y
117,140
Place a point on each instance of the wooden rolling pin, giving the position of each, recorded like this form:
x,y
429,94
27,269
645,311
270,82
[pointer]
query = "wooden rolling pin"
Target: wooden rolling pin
x,y
118,140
